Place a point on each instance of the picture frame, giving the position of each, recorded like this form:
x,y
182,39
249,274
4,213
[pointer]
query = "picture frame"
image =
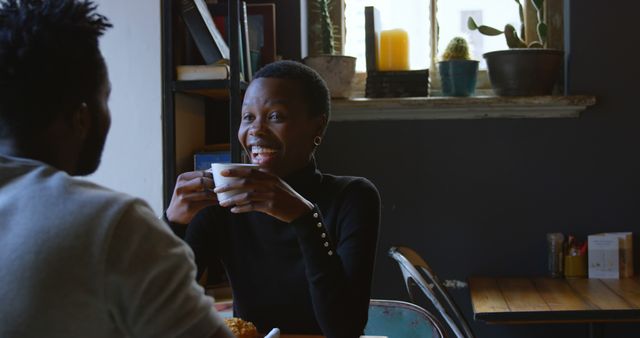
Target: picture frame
x,y
261,19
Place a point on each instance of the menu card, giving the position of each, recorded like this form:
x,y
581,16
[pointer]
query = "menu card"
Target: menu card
x,y
610,255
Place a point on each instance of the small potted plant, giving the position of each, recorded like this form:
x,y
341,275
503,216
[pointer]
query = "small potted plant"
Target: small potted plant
x,y
337,70
458,72
525,69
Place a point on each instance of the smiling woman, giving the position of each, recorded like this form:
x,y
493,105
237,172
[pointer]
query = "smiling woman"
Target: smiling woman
x,y
275,130
298,245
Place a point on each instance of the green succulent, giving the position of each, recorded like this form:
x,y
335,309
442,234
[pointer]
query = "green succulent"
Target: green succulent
x,y
457,49
510,33
325,27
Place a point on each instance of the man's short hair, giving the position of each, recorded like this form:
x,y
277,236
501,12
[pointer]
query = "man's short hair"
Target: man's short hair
x,y
315,91
50,61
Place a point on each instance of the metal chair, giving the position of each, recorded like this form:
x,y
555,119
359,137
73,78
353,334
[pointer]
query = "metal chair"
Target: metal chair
x,y
398,319
416,272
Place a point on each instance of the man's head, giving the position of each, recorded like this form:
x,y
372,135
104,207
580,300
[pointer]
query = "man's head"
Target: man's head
x,y
53,80
284,116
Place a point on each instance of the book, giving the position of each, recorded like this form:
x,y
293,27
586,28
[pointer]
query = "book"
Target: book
x,y
245,48
203,160
262,33
220,18
202,72
207,37
371,28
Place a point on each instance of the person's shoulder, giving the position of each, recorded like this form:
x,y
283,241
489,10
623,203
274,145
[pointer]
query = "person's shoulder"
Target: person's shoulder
x,y
39,180
92,192
77,193
355,184
348,180
350,195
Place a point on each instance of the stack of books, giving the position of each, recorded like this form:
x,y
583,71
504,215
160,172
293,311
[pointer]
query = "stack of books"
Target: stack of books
x,y
397,83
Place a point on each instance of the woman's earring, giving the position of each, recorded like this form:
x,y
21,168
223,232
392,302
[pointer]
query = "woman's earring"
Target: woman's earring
x,y
317,140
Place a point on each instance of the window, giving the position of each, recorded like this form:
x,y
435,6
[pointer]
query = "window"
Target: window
x,y
414,17
410,15
453,15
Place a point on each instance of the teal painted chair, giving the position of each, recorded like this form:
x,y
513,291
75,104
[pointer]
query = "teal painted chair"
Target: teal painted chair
x,y
417,273
398,319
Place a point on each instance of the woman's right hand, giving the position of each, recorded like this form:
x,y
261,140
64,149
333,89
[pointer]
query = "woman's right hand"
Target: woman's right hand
x,y
192,193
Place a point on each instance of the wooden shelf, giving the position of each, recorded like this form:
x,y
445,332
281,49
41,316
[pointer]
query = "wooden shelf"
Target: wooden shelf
x,y
184,122
217,89
477,107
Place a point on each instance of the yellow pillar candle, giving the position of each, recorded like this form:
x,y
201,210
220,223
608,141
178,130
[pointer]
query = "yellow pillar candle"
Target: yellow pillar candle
x,y
393,50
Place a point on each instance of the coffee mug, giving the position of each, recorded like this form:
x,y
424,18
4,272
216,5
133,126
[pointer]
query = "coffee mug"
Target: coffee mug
x,y
219,180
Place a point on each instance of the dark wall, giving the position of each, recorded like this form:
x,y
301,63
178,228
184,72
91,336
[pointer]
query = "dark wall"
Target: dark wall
x,y
476,197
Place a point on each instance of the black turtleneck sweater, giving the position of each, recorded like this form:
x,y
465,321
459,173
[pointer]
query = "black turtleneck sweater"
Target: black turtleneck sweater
x,y
310,276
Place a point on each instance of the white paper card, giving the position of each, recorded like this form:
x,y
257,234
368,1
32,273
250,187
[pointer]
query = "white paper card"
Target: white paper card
x,y
603,256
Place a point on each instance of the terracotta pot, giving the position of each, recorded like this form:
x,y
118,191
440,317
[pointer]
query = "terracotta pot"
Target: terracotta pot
x,y
524,71
337,71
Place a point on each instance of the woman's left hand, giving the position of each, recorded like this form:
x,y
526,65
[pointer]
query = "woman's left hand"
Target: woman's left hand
x,y
266,193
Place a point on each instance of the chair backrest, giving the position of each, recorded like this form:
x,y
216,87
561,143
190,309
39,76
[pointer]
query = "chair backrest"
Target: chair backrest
x,y
416,272
398,319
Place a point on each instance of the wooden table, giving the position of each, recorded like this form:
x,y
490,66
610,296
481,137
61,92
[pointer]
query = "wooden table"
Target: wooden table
x,y
550,300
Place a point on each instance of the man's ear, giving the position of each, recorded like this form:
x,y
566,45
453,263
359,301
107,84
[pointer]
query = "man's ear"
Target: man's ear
x,y
81,121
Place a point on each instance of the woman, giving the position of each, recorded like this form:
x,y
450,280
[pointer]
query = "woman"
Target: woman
x,y
299,247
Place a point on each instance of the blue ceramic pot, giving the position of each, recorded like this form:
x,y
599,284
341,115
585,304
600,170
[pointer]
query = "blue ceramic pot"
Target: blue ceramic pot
x,y
458,77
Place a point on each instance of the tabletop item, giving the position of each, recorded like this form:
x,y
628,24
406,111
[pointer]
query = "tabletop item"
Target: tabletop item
x,y
555,254
274,333
552,300
575,258
241,328
611,255
219,180
575,266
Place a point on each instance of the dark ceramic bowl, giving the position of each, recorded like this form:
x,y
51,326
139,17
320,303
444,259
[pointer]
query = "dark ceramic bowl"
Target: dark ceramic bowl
x,y
524,71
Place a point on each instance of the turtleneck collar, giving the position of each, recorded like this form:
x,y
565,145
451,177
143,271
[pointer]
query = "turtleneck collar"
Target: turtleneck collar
x,y
305,179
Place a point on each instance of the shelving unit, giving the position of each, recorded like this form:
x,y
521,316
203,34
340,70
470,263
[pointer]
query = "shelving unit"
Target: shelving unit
x,y
215,89
196,93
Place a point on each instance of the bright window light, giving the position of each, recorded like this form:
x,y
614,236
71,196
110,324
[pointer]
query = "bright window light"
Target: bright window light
x,y
410,15
413,16
453,15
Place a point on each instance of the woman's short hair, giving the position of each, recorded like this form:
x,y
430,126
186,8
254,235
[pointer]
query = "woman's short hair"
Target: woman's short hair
x,y
314,88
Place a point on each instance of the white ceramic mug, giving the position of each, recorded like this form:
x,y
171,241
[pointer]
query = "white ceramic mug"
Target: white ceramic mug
x,y
219,180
